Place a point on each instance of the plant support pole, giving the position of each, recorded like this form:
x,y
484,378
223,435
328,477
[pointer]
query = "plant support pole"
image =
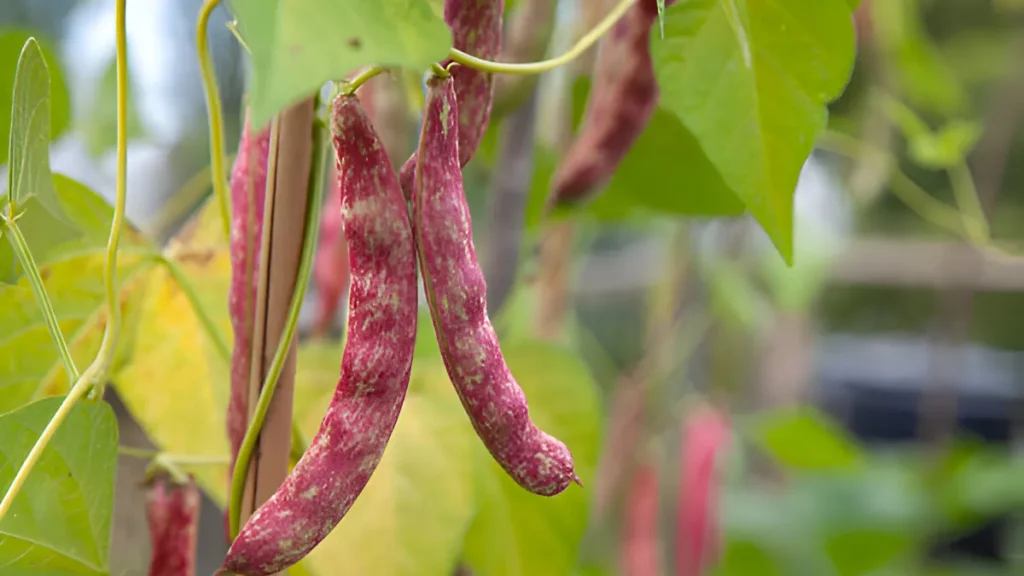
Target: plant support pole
x,y
284,225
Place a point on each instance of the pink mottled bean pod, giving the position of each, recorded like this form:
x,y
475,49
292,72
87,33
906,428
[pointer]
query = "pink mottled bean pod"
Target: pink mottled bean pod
x,y
698,539
456,292
173,519
623,96
248,190
476,30
375,366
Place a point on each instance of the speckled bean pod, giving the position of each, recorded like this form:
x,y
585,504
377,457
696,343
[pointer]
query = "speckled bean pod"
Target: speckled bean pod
x,y
173,518
456,292
623,96
248,190
476,30
375,367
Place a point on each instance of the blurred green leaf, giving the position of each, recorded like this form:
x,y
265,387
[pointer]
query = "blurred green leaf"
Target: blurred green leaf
x,y
11,43
298,46
802,439
98,125
28,173
516,532
948,147
413,513
60,520
743,558
923,76
733,296
72,273
750,80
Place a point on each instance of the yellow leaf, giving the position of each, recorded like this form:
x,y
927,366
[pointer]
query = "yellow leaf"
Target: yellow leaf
x,y
176,383
72,271
413,514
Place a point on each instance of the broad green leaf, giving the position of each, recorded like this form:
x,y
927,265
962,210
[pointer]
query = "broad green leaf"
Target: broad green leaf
x,y
802,439
750,81
516,532
11,43
72,272
412,515
59,524
175,384
742,558
299,45
29,152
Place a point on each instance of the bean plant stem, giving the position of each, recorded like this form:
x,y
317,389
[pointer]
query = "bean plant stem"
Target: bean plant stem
x,y
36,281
309,241
105,356
350,86
581,46
216,119
95,375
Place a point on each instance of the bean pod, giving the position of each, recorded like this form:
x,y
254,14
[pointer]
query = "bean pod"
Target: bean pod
x,y
476,29
456,292
705,435
172,515
623,96
248,190
375,367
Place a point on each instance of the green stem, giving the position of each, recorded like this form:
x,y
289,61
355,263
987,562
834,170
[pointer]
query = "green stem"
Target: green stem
x,y
309,240
180,459
581,46
105,356
903,187
216,120
36,281
966,194
350,86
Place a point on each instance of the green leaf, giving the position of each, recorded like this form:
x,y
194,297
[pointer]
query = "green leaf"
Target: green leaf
x,y
29,153
516,532
751,80
299,45
42,231
412,515
948,147
802,439
924,76
72,272
11,43
98,125
742,558
59,524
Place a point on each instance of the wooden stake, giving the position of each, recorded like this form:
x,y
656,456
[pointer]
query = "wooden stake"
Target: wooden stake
x,y
291,159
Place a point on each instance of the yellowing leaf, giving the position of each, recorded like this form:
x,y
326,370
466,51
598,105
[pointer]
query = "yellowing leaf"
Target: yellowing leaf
x,y
176,384
411,517
30,367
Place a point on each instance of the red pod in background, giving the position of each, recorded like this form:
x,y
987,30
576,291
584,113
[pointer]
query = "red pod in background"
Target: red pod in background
x,y
623,96
706,435
172,513
248,191
640,553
